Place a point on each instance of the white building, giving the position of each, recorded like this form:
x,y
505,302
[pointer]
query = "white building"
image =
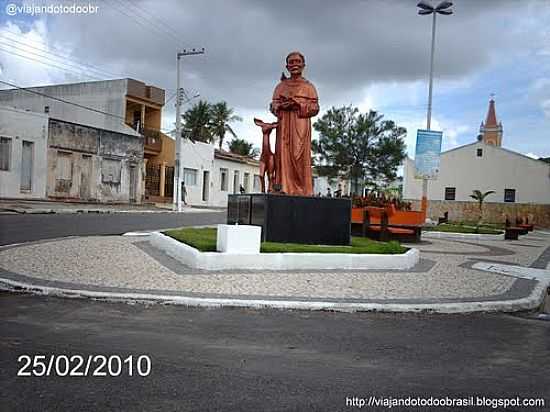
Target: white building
x,y
23,154
479,166
484,165
211,174
99,136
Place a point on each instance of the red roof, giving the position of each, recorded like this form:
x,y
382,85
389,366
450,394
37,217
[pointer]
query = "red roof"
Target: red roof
x,y
491,120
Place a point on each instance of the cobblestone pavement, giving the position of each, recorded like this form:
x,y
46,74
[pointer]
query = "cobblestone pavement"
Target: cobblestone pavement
x,y
132,263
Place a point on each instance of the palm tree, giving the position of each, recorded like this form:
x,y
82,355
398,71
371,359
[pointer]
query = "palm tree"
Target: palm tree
x,y
220,117
480,197
243,148
196,123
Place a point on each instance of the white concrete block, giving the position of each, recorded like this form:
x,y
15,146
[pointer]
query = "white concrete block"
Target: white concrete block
x,y
239,239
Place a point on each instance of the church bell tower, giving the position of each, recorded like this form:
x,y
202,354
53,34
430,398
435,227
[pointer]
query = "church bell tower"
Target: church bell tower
x,y
491,131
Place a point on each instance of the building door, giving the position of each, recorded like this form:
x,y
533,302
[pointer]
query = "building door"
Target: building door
x,y
133,183
85,177
205,185
169,181
26,166
152,179
236,182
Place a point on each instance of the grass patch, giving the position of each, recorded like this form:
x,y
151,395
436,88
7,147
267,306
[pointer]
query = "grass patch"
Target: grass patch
x,y
462,228
204,239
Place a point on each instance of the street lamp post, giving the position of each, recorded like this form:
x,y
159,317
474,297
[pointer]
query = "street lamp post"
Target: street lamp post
x,y
426,9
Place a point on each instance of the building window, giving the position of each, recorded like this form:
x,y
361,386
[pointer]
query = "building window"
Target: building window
x,y
510,195
5,153
110,171
479,152
64,167
27,155
223,180
246,182
46,109
190,177
257,184
236,182
450,193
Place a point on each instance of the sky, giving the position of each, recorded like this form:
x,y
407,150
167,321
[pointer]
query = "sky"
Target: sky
x,y
373,54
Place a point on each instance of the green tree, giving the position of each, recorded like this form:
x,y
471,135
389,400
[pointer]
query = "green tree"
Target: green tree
x,y
362,145
243,148
480,197
221,116
196,123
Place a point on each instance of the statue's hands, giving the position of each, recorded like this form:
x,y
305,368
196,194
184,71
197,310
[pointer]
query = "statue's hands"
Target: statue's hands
x,y
290,104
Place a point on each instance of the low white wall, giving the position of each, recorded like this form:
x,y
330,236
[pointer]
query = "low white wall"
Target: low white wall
x,y
281,261
462,236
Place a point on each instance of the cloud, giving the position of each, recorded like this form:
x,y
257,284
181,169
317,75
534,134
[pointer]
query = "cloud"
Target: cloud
x,y
373,54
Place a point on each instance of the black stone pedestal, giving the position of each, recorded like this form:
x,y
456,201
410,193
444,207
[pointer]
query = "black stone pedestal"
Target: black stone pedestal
x,y
293,219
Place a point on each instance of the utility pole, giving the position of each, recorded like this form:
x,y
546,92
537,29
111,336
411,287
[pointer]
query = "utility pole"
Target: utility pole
x,y
178,170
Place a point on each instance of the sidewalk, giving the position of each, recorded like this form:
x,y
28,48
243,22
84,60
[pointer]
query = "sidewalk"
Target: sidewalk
x,y
44,207
452,276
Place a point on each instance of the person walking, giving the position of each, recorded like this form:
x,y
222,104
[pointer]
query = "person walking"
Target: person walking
x,y
183,193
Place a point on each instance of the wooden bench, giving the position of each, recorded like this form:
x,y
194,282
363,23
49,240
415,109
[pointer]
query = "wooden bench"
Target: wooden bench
x,y
526,225
444,219
513,232
375,225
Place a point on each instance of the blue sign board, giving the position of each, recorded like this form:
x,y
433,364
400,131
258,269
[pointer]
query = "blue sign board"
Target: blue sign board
x,y
428,151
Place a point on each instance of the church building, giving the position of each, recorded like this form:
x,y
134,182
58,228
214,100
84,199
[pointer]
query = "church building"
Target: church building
x,y
482,165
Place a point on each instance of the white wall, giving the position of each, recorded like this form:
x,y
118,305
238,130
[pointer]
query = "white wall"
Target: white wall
x,y
105,96
322,183
22,126
200,157
497,169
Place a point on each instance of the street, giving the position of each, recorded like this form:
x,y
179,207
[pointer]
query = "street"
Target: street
x,y
29,227
266,360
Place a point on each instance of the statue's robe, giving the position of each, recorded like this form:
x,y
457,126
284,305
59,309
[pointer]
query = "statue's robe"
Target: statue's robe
x,y
293,143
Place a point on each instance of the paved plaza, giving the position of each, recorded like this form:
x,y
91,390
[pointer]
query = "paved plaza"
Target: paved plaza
x,y
131,265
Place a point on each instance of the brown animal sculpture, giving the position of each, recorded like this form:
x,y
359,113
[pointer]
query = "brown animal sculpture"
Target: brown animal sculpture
x,y
267,159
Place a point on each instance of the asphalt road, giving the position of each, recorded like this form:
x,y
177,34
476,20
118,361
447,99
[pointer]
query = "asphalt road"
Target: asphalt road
x,y
266,360
24,228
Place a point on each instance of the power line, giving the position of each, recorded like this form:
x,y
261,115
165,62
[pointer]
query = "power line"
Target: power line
x,y
62,54
145,15
139,20
69,65
47,64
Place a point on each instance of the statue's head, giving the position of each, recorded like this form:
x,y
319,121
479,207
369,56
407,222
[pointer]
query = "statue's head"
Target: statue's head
x,y
295,63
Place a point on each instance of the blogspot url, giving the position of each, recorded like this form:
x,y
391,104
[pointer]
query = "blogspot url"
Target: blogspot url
x,y
36,10
445,402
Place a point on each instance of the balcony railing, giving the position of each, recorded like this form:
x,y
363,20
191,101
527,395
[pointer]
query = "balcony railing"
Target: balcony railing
x,y
152,140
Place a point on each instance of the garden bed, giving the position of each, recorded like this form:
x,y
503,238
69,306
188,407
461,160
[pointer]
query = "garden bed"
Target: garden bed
x,y
196,248
204,240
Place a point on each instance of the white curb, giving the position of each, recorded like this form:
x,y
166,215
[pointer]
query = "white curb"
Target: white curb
x,y
527,303
281,261
462,236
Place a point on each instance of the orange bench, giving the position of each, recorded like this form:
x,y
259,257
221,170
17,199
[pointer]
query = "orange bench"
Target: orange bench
x,y
373,222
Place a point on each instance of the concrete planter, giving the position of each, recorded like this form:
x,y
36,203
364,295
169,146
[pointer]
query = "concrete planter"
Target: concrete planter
x,y
460,236
281,261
